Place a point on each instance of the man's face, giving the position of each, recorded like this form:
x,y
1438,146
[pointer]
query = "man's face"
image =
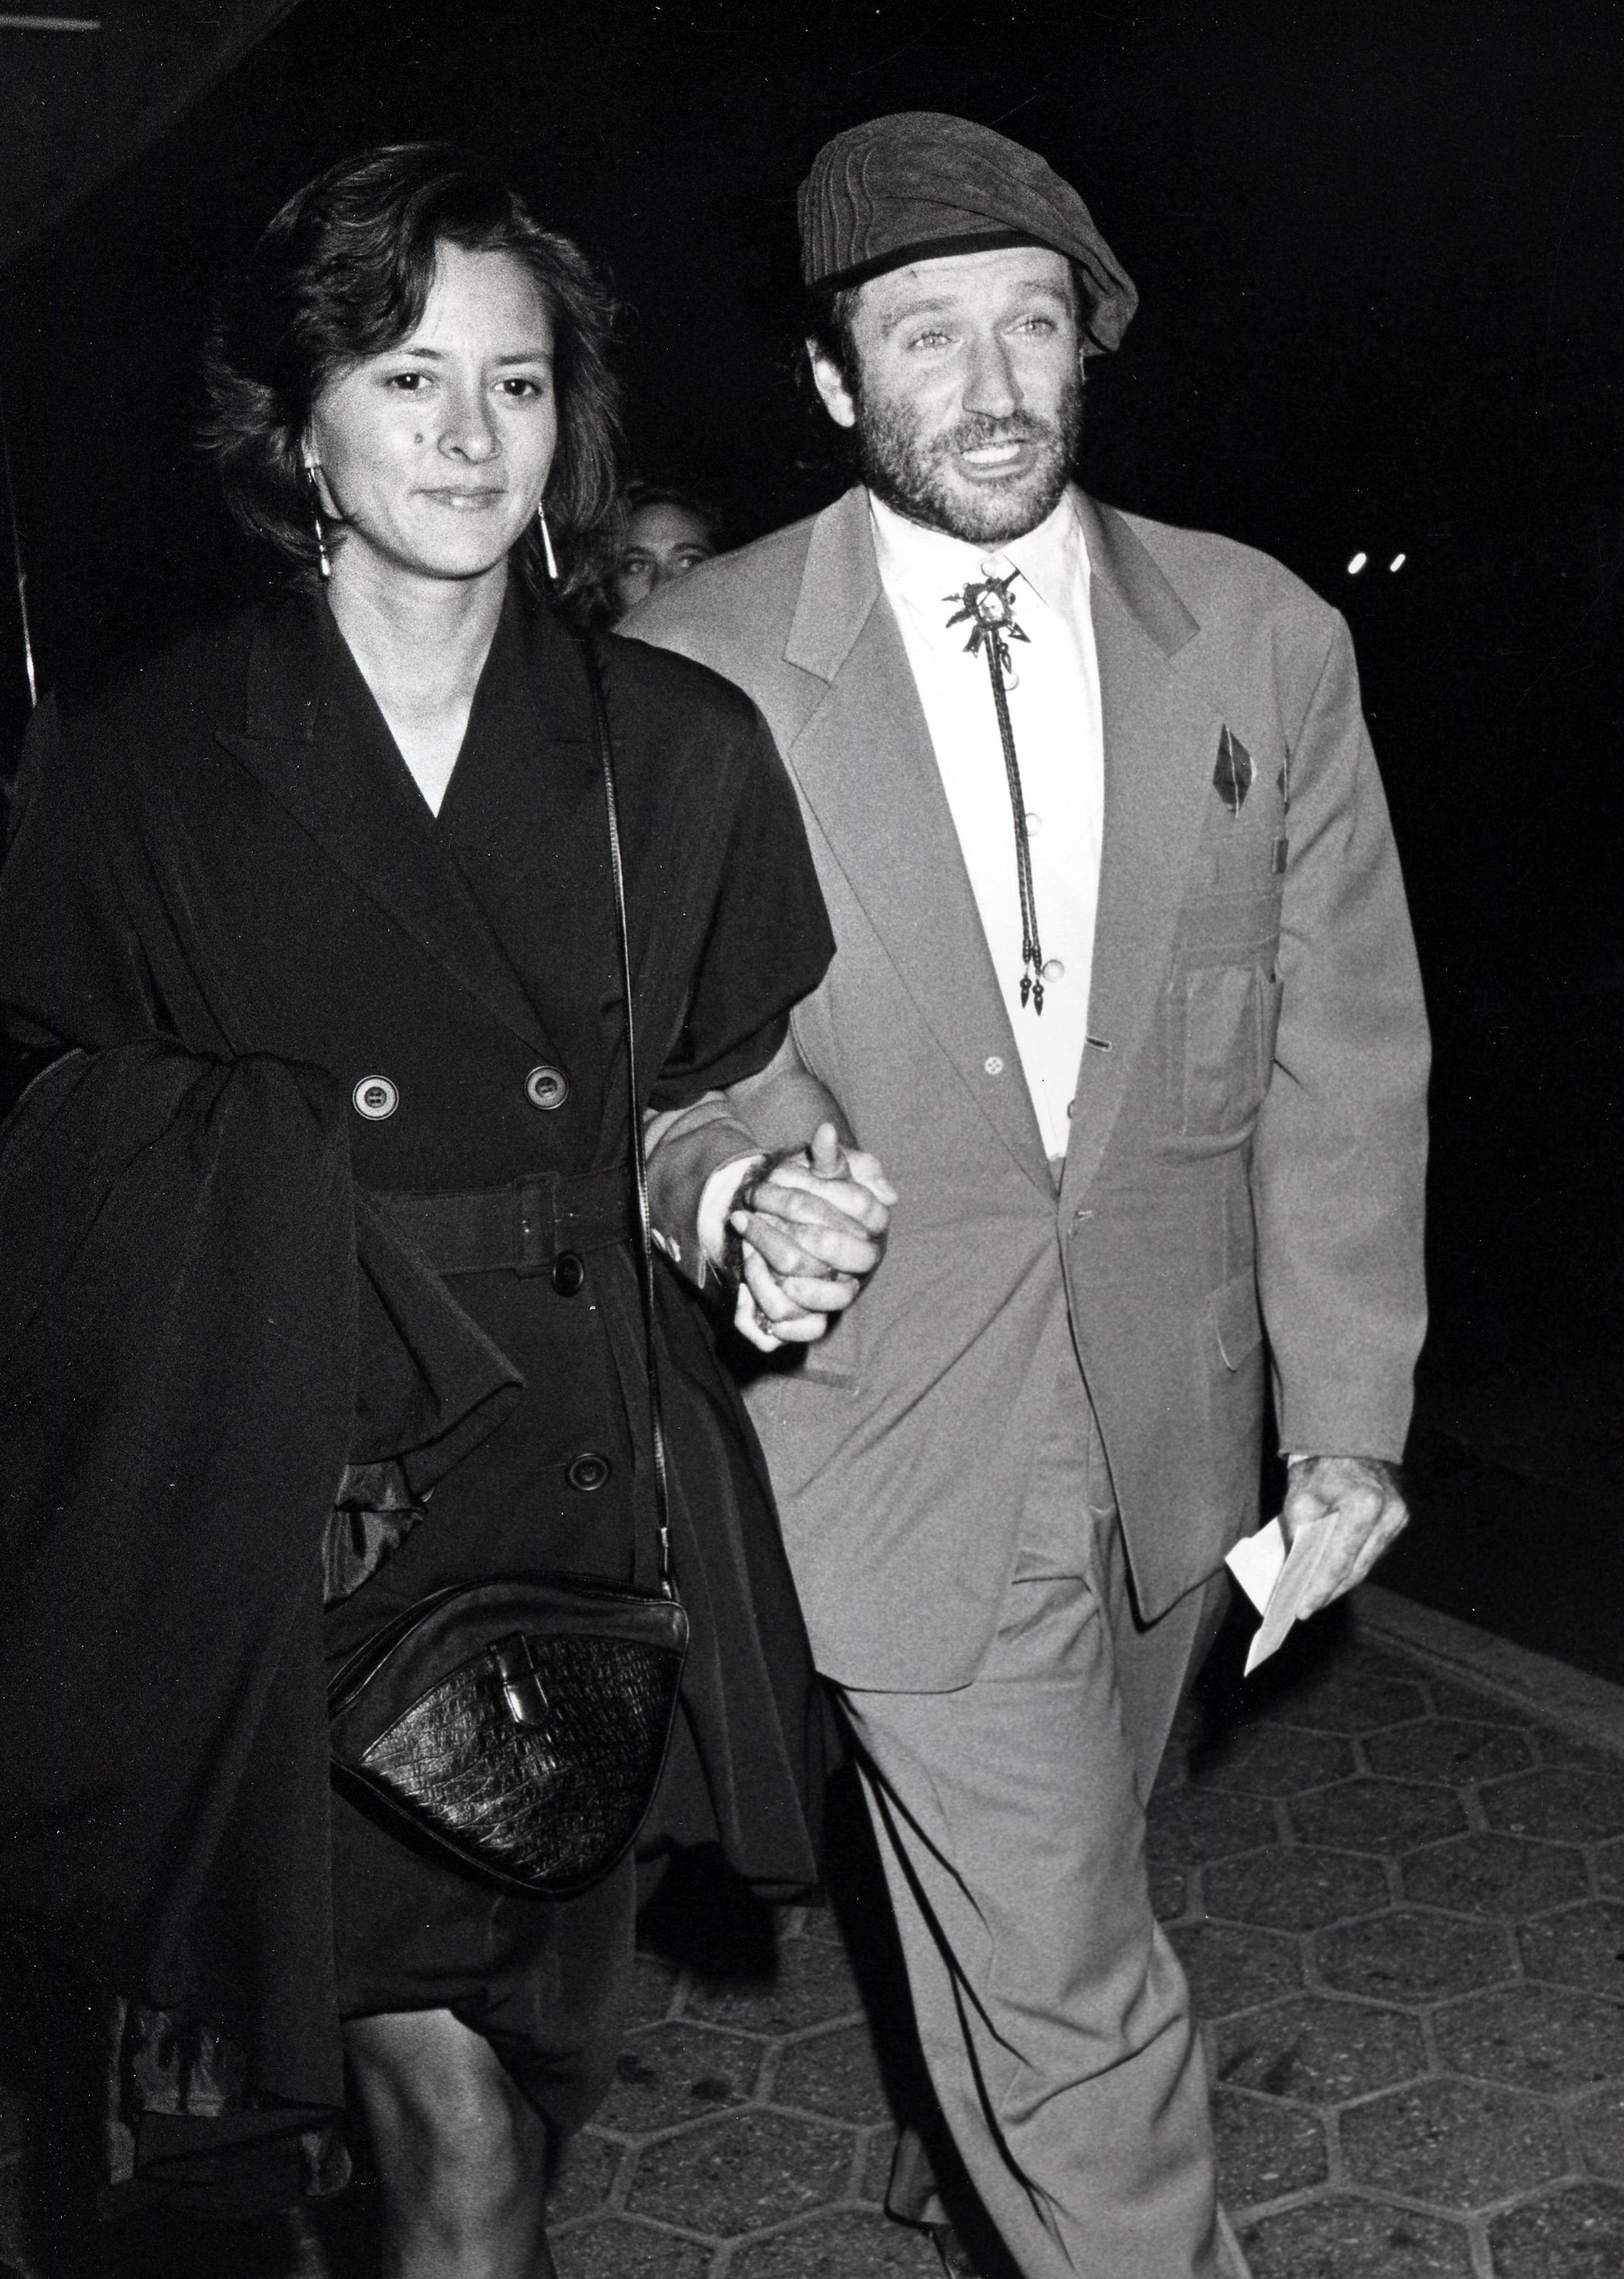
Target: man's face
x,y
967,398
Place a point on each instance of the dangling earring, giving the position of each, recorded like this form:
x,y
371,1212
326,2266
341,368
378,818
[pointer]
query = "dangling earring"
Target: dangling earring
x,y
546,545
322,555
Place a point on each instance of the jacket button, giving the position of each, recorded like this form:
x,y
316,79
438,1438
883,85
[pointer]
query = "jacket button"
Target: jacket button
x,y
993,1064
588,1472
569,1273
547,1087
375,1097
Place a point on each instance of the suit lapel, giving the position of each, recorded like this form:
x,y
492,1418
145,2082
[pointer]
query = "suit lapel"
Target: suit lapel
x,y
1161,732
864,758
315,739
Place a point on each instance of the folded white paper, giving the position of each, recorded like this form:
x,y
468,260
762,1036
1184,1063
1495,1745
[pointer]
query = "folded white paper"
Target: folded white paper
x,y
1276,1581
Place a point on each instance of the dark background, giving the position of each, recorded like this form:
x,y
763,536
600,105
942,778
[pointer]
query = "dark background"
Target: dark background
x,y
1379,248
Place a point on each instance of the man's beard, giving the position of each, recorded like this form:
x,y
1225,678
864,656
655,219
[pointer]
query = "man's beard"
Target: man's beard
x,y
912,474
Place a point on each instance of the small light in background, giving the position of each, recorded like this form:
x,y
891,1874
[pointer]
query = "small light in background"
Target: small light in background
x,y
1357,564
1398,560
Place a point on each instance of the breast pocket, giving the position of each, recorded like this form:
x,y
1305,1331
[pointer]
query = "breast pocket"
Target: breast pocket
x,y
1223,1013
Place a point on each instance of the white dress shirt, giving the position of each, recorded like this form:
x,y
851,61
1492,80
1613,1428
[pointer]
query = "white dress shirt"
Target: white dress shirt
x,y
1055,712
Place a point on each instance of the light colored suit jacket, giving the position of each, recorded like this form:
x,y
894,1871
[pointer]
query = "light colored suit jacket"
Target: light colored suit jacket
x,y
1248,1132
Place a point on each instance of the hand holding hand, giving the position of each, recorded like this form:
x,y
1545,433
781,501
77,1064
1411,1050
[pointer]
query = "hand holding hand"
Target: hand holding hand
x,y
1360,1497
811,1226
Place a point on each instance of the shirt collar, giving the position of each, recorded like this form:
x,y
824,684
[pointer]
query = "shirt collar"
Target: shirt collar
x,y
922,567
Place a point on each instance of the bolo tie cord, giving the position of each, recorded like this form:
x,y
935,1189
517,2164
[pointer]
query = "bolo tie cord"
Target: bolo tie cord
x,y
992,627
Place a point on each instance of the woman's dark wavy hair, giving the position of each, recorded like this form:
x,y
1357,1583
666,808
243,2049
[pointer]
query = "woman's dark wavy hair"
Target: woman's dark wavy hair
x,y
344,271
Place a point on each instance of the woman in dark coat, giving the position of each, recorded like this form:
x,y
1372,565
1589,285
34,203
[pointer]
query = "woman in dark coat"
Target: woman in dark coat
x,y
326,893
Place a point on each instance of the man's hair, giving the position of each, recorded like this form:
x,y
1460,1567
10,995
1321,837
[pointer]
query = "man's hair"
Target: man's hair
x,y
344,271
682,497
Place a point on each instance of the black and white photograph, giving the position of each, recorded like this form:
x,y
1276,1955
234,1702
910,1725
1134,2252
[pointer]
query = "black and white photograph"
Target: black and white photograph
x,y
811,1063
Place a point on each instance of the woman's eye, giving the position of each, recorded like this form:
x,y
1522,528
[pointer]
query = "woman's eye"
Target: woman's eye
x,y
519,388
407,382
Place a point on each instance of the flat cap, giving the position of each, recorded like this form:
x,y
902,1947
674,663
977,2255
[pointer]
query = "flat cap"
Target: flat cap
x,y
921,183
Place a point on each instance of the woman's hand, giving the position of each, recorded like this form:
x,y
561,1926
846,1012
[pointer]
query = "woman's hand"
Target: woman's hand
x,y
811,1227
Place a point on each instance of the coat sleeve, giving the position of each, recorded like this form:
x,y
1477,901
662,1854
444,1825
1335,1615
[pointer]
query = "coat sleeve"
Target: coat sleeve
x,y
1339,1157
766,942
71,968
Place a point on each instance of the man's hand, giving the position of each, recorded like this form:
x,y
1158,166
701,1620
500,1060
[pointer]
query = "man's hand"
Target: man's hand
x,y
811,1228
1359,1496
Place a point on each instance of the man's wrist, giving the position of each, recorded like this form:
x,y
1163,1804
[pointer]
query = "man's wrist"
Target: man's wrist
x,y
718,1244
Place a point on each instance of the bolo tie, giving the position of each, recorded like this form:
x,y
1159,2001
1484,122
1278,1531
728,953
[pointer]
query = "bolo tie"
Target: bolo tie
x,y
989,613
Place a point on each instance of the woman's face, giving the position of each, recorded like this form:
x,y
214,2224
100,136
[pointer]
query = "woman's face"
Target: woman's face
x,y
435,453
661,542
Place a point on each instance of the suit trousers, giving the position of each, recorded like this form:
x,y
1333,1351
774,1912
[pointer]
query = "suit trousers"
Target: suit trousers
x,y
1053,2012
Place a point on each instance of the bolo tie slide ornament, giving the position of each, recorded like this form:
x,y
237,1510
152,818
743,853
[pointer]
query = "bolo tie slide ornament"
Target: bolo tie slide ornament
x,y
989,613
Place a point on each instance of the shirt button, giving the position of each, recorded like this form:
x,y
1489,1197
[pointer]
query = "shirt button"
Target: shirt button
x,y
569,1273
1054,970
993,1064
1071,1109
547,1087
588,1472
1034,823
375,1097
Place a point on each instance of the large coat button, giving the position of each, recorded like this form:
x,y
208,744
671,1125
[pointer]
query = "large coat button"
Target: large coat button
x,y
375,1097
587,1471
547,1087
569,1273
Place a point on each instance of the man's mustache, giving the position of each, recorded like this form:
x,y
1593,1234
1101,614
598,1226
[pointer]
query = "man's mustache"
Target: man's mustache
x,y
977,432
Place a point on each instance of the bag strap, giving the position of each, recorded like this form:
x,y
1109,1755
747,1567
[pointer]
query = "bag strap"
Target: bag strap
x,y
640,1168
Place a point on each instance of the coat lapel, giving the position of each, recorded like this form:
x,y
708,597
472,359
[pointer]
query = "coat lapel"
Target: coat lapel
x,y
316,741
1161,732
864,758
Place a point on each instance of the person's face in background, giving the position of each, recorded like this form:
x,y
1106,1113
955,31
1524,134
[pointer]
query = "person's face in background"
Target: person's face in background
x,y
661,541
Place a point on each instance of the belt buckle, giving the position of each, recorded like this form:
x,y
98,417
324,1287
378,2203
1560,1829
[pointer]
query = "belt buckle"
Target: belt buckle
x,y
537,1235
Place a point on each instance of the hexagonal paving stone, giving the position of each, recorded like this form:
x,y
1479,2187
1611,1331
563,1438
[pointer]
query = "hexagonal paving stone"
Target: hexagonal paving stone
x,y
584,2177
1230,1969
1459,2144
1452,1701
1581,1947
1412,1958
653,1990
1189,1826
1376,1815
619,2250
1265,2151
1356,2239
1494,1874
1598,2132
857,2243
1534,2037
669,2074
1319,2049
743,2172
1577,2233
1573,1808
1558,1748
1610,1867
1447,1749
814,1984
1292,1888
1273,1761
876,2166
1169,1894
834,2073
1351,1699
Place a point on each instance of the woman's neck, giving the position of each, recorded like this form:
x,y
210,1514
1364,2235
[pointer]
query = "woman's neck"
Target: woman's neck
x,y
421,645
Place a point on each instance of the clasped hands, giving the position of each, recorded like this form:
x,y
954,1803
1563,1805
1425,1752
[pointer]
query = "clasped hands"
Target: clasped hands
x,y
805,1231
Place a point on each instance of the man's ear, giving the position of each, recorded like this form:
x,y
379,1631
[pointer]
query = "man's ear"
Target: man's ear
x,y
830,385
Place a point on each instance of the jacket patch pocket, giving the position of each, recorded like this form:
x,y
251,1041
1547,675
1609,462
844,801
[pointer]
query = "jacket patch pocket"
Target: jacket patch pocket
x,y
1236,1319
1223,1018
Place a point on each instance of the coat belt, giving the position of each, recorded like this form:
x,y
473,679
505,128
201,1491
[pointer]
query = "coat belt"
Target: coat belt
x,y
523,1226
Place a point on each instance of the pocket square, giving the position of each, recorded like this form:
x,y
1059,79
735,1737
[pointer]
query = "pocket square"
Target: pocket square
x,y
1232,777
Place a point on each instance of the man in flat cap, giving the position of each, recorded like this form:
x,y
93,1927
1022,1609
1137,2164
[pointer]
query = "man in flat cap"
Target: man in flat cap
x,y
1125,1001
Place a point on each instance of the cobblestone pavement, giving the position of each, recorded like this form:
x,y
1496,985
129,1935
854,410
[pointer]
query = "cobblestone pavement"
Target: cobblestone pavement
x,y
1401,1900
